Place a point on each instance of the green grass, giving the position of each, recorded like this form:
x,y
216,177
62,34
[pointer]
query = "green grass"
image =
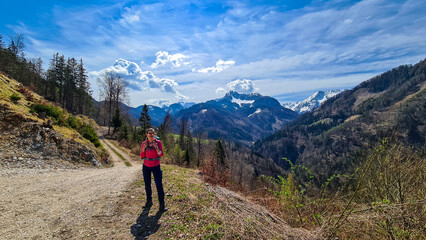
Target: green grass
x,y
118,154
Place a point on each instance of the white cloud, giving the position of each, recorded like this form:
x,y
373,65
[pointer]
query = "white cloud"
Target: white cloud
x,y
220,66
242,86
130,16
164,58
271,45
220,91
347,21
139,79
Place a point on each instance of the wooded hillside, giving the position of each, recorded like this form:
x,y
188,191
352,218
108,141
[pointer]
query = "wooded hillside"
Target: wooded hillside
x,y
330,139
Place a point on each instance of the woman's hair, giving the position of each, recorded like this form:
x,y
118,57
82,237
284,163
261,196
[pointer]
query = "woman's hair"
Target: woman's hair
x,y
150,130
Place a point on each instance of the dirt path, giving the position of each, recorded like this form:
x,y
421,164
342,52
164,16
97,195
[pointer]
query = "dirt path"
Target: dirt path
x,y
64,204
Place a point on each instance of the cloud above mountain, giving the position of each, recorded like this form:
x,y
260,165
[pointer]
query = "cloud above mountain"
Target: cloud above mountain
x,y
197,47
241,86
139,80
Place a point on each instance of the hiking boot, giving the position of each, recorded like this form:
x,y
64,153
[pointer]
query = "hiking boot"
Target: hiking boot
x,y
163,208
148,204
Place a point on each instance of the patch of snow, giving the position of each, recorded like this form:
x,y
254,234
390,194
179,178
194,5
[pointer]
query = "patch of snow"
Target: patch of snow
x,y
203,111
240,102
256,112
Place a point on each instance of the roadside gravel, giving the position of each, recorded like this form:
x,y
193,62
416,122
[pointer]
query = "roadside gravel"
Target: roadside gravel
x,y
64,203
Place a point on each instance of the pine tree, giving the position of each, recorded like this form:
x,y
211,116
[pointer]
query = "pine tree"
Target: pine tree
x,y
219,154
51,80
124,133
83,99
59,72
189,149
183,127
116,120
144,120
1,42
70,81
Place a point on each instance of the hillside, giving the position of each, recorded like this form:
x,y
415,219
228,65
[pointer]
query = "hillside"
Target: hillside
x,y
328,139
36,139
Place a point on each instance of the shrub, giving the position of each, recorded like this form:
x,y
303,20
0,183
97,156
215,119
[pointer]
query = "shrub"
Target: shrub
x,y
89,133
15,97
51,111
71,121
299,200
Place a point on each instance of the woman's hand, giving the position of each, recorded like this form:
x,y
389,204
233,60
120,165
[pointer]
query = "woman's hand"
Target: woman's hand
x,y
144,146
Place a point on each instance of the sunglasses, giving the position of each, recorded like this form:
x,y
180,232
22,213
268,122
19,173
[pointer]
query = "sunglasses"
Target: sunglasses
x,y
150,133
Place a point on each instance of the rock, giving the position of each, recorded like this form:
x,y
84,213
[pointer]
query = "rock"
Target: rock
x,y
38,137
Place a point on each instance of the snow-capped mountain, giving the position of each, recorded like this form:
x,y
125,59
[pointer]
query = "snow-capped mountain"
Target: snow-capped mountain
x,y
237,117
312,102
176,107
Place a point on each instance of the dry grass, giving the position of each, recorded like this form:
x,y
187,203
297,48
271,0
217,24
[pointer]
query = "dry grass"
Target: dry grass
x,y
200,211
252,221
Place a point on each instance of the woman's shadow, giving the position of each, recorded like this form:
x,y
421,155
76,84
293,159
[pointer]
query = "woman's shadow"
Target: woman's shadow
x,y
146,225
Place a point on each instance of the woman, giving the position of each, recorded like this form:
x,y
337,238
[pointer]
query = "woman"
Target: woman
x,y
151,152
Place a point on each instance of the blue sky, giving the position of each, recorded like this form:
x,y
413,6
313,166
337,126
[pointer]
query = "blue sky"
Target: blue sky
x,y
194,51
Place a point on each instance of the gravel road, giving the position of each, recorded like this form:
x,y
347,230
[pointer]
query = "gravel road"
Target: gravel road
x,y
64,203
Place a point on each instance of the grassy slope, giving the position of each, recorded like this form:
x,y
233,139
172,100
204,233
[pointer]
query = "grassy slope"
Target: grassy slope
x,y
196,211
22,107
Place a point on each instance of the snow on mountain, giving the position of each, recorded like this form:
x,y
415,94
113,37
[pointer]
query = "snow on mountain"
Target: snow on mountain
x,y
313,101
244,118
256,112
241,102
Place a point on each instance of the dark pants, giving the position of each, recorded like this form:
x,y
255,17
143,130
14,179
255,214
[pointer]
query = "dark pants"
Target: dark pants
x,y
158,179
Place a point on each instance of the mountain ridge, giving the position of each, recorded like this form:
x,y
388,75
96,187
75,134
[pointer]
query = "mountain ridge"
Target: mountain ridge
x,y
237,117
312,101
327,139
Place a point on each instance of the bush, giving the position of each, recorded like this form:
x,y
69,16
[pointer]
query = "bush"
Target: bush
x,y
89,133
15,97
71,121
393,186
51,111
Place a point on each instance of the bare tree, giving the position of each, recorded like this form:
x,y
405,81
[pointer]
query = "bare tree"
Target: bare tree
x,y
113,89
17,43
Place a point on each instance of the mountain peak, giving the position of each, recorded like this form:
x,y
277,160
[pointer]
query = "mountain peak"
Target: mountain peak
x,y
313,101
242,96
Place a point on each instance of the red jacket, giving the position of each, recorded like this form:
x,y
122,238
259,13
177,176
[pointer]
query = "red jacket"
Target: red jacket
x,y
151,153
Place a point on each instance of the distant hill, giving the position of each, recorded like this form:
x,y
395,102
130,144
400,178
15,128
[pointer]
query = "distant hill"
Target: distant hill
x,y
328,138
313,101
243,118
157,114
